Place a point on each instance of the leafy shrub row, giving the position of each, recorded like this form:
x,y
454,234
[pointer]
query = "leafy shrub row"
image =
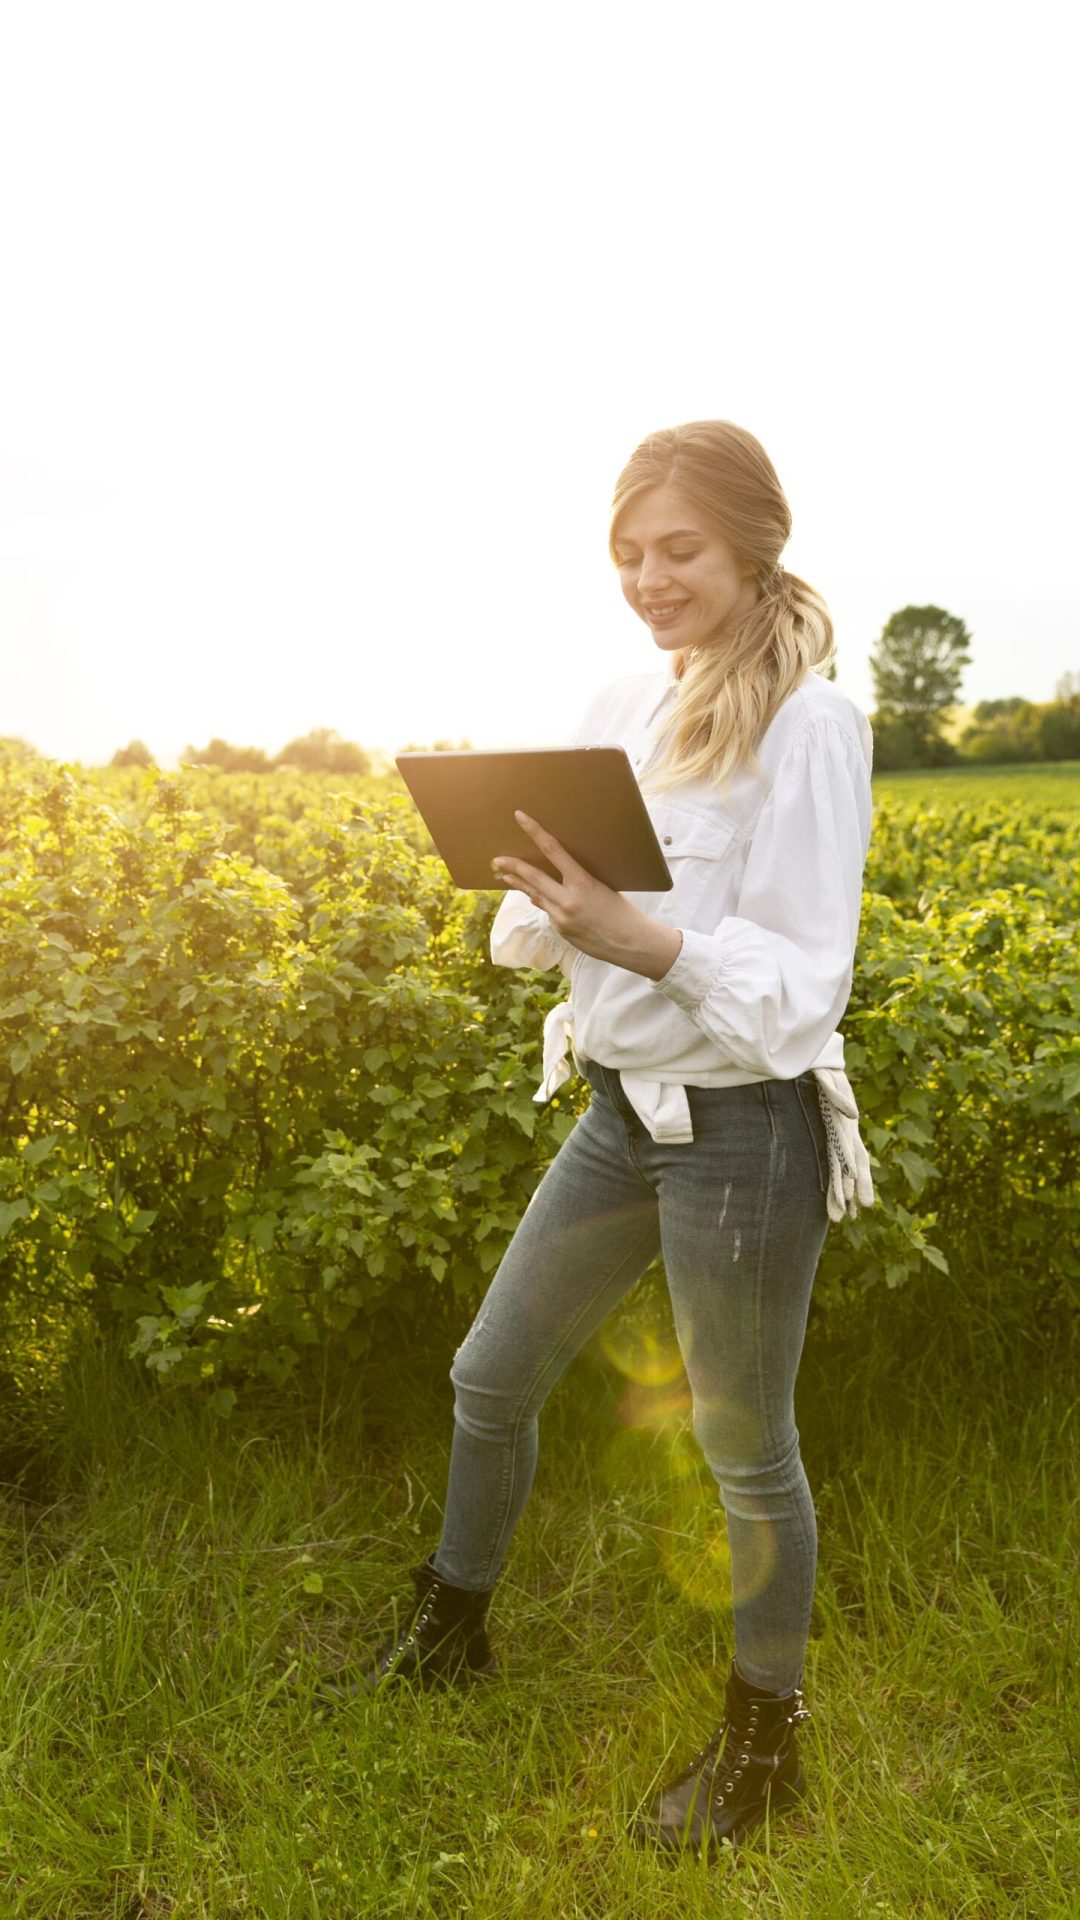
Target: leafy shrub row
x,y
244,1115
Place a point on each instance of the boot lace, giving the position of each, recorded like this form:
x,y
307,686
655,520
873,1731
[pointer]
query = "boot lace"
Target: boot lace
x,y
741,1741
705,1756
408,1639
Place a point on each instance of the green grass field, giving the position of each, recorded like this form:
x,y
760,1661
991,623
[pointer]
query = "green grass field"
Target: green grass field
x,y
1047,783
171,1587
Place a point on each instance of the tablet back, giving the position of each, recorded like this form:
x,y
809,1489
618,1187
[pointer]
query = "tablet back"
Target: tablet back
x,y
587,797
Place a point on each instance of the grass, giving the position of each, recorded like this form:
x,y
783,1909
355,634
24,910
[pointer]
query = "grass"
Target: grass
x,y
1044,783
172,1586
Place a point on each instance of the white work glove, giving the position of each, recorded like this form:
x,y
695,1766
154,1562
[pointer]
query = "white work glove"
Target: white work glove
x,y
850,1183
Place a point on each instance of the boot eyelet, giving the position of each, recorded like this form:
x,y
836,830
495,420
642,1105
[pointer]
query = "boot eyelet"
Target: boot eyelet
x,y
738,1773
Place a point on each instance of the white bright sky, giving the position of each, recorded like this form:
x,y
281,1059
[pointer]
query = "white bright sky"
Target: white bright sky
x,y
326,329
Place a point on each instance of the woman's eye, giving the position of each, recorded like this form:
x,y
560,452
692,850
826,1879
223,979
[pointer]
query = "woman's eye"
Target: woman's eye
x,y
675,556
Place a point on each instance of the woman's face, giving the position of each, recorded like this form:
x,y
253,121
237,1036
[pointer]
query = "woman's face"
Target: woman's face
x,y
682,579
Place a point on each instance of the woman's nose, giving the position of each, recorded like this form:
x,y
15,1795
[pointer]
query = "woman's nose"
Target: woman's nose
x,y
652,573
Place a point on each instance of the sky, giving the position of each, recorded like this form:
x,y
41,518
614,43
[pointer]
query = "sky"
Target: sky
x,y
325,331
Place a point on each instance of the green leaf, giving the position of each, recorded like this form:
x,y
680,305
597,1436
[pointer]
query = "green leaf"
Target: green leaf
x,y
187,1300
1070,1081
10,1211
936,1259
264,1230
918,1170
163,1361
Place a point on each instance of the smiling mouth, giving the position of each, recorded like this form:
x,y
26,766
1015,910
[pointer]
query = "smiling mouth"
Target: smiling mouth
x,y
661,615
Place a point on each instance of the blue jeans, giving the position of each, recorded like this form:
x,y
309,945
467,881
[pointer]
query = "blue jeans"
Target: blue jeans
x,y
739,1217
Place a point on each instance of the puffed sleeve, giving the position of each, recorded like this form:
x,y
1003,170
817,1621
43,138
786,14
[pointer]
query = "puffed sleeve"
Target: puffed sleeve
x,y
770,984
523,935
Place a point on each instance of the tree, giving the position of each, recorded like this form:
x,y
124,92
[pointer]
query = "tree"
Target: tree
x,y
1002,730
230,759
1057,726
1016,729
898,744
916,668
14,747
324,751
998,709
135,754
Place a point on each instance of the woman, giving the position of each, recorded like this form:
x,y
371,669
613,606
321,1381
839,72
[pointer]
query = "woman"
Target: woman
x,y
720,1132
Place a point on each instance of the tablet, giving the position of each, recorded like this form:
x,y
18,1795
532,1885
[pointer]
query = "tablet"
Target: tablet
x,y
586,796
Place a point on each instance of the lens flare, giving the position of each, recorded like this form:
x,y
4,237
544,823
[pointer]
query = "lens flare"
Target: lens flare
x,y
757,1560
656,1408
652,1444
657,1451
693,1547
642,1354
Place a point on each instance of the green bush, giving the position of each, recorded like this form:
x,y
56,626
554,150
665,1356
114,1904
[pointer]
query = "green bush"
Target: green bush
x,y
251,1109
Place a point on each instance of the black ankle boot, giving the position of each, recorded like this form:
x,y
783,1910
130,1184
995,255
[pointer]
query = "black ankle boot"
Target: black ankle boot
x,y
749,1768
443,1640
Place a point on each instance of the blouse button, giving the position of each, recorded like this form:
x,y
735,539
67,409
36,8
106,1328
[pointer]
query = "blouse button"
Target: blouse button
x,y
667,839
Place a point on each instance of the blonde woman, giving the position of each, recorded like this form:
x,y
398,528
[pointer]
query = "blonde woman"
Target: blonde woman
x,y
720,1132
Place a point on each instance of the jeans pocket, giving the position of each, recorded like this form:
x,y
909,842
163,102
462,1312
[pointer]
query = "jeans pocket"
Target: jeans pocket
x,y
806,1088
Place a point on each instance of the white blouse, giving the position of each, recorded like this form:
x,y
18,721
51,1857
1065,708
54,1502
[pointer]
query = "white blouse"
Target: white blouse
x,y
767,891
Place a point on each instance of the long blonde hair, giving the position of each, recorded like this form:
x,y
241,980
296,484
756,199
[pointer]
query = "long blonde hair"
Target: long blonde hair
x,y
729,690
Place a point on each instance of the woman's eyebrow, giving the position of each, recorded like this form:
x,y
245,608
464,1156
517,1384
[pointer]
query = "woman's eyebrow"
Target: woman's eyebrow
x,y
679,534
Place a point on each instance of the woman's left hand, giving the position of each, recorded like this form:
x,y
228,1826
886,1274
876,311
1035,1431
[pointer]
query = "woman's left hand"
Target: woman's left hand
x,y
591,916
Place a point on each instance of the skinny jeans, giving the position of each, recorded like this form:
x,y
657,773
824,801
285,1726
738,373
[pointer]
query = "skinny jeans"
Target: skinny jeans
x,y
739,1217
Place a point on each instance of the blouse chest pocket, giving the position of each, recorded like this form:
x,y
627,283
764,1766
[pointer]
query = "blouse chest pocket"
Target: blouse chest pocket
x,y
693,845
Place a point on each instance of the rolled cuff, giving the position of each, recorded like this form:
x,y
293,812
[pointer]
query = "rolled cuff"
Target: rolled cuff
x,y
696,967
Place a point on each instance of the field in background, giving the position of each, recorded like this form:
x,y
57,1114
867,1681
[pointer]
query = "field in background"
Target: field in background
x,y
1046,783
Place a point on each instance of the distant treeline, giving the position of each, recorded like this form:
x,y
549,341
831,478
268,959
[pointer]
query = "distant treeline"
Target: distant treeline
x,y
916,668
917,665
999,732
319,751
